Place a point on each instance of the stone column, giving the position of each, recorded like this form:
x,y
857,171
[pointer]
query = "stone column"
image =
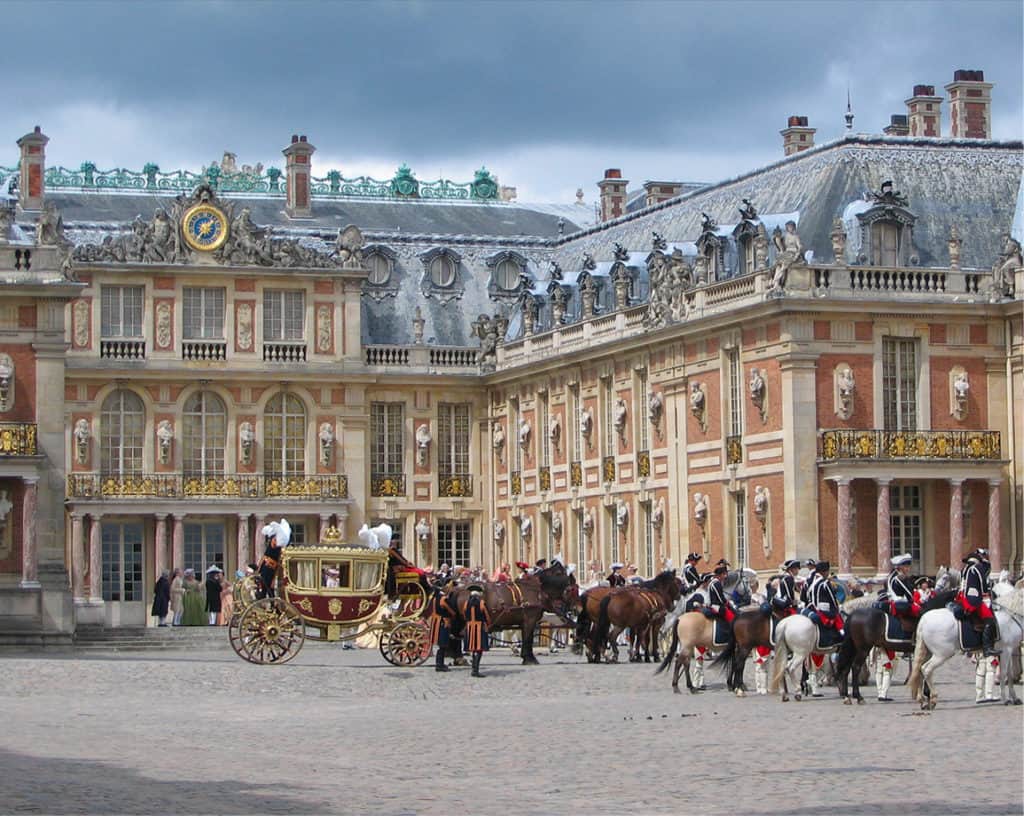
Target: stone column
x,y
95,559
884,531
325,522
243,541
845,528
257,536
77,559
29,545
178,542
956,523
995,529
160,545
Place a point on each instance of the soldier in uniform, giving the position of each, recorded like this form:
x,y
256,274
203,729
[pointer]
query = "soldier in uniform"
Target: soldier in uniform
x,y
616,579
923,590
897,588
691,577
784,599
440,625
718,606
476,639
823,608
971,598
276,536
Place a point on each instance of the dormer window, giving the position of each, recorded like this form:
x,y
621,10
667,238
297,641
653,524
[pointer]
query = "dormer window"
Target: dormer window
x,y
887,230
506,274
379,265
442,271
441,278
885,243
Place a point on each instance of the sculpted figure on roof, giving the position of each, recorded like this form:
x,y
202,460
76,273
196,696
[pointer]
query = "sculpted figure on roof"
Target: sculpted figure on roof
x,y
1009,262
790,250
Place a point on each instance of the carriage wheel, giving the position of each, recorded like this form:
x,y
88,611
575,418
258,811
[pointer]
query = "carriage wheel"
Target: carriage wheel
x,y
271,630
244,592
407,644
235,636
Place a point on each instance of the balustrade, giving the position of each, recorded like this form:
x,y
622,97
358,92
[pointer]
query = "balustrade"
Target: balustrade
x,y
204,350
123,349
284,352
874,443
224,486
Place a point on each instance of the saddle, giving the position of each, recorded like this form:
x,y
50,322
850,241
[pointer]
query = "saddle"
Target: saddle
x,y
970,635
828,638
722,633
896,629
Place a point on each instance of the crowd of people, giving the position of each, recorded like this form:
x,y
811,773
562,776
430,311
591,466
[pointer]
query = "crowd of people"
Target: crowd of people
x,y
180,598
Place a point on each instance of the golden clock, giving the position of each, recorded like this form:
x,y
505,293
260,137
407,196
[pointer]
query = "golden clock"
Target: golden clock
x,y
204,227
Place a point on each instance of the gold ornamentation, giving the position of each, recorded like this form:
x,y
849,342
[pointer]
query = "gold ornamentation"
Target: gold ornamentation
x,y
455,486
643,464
334,607
204,227
544,477
390,485
305,605
576,474
18,439
608,468
365,605
517,483
733,450
928,445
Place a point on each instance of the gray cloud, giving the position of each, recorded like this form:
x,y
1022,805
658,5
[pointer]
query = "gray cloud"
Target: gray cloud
x,y
660,89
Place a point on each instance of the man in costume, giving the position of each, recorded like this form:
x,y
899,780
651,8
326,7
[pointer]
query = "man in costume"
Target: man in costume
x,y
440,626
276,537
476,639
691,577
616,579
718,606
898,590
784,599
972,595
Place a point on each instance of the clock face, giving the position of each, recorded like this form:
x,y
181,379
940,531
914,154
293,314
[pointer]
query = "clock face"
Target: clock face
x,y
204,227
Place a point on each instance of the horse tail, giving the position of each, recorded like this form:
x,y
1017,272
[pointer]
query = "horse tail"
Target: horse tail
x,y
921,654
724,660
599,634
582,624
781,658
847,652
671,649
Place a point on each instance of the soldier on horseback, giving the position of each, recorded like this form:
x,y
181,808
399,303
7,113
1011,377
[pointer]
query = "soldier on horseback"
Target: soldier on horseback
x,y
784,599
824,600
898,591
807,591
971,598
691,577
718,606
616,578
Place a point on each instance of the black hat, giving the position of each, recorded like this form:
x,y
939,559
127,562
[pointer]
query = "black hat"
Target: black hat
x,y
722,562
822,566
475,587
792,563
541,561
706,576
721,568
810,562
924,579
694,557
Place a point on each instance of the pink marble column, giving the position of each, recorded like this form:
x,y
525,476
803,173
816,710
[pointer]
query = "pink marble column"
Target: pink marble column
x,y
95,559
884,531
845,527
325,522
160,545
995,525
257,536
956,523
29,545
242,555
178,542
77,559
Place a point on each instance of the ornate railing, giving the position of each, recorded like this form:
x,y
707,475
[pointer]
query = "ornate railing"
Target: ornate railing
x,y
643,464
387,484
204,350
455,486
18,439
403,185
929,445
733,450
576,474
516,483
419,356
226,486
123,349
608,468
284,352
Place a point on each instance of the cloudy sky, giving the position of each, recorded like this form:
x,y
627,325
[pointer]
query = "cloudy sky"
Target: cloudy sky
x,y
546,94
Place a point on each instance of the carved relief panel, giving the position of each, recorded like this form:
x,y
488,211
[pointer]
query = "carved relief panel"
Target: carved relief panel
x,y
163,324
244,335
81,324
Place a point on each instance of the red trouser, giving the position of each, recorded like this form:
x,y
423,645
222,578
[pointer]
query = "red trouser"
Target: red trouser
x,y
830,621
981,611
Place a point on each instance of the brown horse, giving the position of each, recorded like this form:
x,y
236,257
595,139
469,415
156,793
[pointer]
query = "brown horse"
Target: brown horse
x,y
751,628
692,629
522,603
640,608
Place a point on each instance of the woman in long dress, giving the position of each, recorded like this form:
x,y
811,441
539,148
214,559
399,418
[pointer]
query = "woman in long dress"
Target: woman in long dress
x,y
177,596
227,602
194,602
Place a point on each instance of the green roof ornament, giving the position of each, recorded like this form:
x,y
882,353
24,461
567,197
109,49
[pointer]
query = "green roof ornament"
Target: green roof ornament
x,y
404,183
88,174
212,175
150,170
484,186
274,179
334,177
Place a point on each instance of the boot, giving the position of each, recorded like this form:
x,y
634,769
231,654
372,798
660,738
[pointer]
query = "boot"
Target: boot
x,y
814,681
476,664
697,674
990,678
760,677
439,660
979,680
989,636
884,679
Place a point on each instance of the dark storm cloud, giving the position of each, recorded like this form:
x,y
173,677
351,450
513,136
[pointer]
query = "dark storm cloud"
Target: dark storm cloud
x,y
448,79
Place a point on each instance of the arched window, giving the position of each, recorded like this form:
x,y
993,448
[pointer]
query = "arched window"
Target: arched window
x,y
284,436
442,271
123,428
205,436
380,268
506,274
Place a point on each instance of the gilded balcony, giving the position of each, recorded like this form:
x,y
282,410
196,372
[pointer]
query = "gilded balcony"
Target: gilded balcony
x,y
643,464
608,468
233,486
734,450
516,480
458,485
18,439
544,478
576,474
877,444
387,484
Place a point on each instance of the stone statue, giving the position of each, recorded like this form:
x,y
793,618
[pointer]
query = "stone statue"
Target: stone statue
x,y
955,244
588,522
6,382
422,529
697,403
760,248
757,388
525,432
620,417
846,384
490,331
50,227
326,437
246,440
556,526
659,305
417,327
838,236
621,514
247,243
1007,265
158,243
348,247
655,408
323,328
499,531
961,390
82,434
761,503
498,441
555,430
789,251
526,527
587,424
164,437
658,514
700,509
423,440
747,211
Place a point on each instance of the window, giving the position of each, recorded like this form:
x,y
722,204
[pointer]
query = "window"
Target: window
x,y
517,450
121,550
641,399
453,439
581,544
453,543
609,416
549,537
648,562
735,394
388,419
203,314
745,256
899,383
380,269
506,274
885,243
905,522
545,430
298,534
613,534
740,501
122,425
204,546
575,405
284,435
442,271
205,437
121,311
283,315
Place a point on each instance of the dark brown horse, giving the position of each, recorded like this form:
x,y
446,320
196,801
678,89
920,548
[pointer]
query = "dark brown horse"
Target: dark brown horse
x,y
641,608
865,630
751,628
520,604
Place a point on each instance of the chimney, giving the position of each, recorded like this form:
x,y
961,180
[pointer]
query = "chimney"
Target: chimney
x,y
298,166
797,136
657,191
33,168
898,125
613,194
923,112
970,105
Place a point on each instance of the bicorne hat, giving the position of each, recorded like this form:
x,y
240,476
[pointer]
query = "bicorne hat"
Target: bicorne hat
x,y
901,560
792,563
694,557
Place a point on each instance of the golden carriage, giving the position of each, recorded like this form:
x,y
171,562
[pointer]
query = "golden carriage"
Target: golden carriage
x,y
336,593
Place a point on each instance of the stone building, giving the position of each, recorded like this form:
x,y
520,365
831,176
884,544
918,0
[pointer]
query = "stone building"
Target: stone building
x,y
822,356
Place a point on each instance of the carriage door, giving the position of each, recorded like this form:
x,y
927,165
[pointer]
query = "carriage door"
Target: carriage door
x,y
204,546
123,587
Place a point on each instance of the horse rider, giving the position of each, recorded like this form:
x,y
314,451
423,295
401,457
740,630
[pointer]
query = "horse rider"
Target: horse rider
x,y
784,599
923,590
807,591
824,600
616,579
718,606
476,639
971,598
540,566
696,603
441,626
691,577
898,590
276,536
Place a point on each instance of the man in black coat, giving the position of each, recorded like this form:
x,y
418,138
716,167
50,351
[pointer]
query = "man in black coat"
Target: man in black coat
x,y
213,588
161,598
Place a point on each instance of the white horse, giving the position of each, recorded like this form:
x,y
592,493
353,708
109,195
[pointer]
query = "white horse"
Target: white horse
x,y
938,639
796,639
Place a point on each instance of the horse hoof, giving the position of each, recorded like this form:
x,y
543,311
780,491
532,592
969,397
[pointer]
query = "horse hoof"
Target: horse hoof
x,y
785,698
676,689
798,697
740,693
847,701
860,701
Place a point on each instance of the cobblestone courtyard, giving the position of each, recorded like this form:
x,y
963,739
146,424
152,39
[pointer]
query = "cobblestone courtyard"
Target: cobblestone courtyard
x,y
341,731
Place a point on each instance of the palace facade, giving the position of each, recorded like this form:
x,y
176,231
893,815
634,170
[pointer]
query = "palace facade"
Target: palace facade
x,y
823,357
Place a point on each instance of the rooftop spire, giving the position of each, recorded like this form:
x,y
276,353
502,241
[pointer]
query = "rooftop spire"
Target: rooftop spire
x,y
849,112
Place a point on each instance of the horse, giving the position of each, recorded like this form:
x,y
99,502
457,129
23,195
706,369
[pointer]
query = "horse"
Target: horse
x,y
640,608
938,639
691,630
751,628
522,603
796,638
